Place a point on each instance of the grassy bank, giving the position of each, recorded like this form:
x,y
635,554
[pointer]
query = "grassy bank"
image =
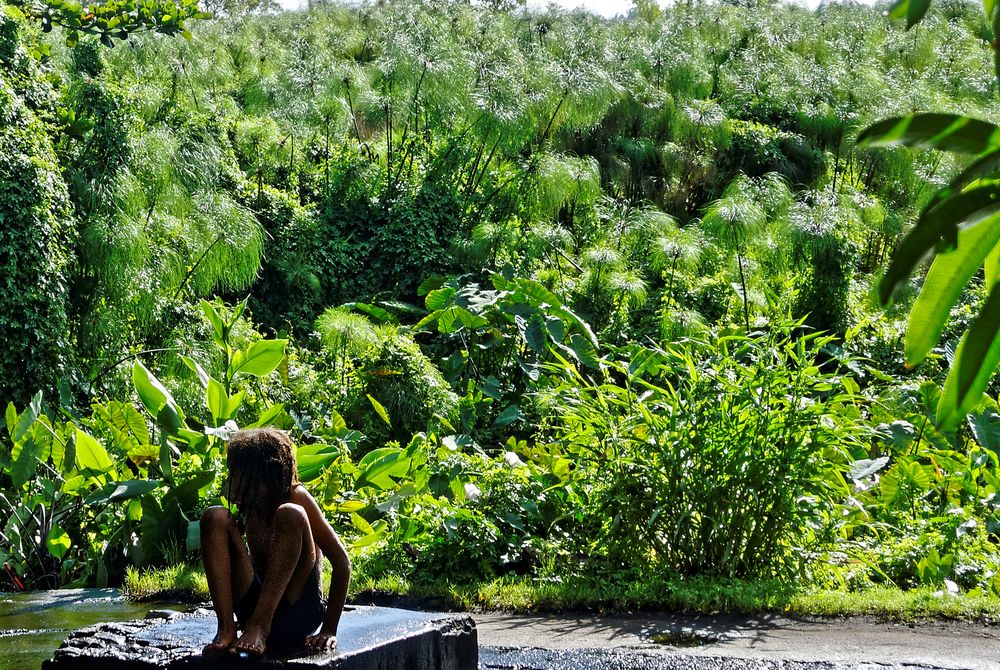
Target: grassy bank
x,y
696,596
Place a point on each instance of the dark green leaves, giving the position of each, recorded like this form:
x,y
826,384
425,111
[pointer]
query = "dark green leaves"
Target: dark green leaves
x,y
911,10
112,19
948,132
975,360
938,229
945,280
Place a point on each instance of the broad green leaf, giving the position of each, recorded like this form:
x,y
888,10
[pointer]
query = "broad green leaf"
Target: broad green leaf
x,y
269,417
218,326
11,420
260,359
217,400
361,524
152,393
867,467
438,299
534,333
380,410
472,321
985,427
378,466
57,541
166,458
566,314
91,454
69,456
155,530
126,418
313,459
170,420
991,267
197,369
584,351
945,280
400,306
938,228
537,293
989,6
911,10
948,132
119,491
25,463
430,284
27,418
455,318
975,361
428,320
508,416
349,506
182,500
234,403
556,328
337,424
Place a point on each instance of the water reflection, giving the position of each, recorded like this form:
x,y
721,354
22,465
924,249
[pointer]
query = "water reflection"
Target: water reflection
x,y
33,625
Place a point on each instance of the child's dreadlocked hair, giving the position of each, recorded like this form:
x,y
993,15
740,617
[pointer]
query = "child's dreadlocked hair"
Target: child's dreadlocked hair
x,y
263,456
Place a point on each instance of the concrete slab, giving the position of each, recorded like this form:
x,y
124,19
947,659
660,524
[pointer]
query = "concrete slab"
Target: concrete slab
x,y
669,640
370,638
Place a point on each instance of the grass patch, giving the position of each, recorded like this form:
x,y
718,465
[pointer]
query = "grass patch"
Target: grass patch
x,y
696,596
179,582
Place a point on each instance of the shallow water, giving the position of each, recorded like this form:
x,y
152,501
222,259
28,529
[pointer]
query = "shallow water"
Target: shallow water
x,y
33,625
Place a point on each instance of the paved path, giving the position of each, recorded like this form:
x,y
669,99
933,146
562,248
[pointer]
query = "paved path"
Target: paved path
x,y
669,641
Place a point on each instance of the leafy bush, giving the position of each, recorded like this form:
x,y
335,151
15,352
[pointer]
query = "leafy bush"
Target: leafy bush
x,y
715,456
402,380
37,237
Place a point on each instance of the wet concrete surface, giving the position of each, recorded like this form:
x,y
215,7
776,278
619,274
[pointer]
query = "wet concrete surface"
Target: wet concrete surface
x,y
373,638
671,640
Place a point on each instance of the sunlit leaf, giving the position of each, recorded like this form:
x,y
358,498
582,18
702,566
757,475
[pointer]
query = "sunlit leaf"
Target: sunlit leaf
x,y
938,228
975,360
945,281
260,359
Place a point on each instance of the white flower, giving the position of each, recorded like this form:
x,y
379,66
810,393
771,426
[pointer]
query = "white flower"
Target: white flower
x,y
472,492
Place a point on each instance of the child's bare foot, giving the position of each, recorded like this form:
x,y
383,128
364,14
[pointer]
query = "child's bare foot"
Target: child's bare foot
x,y
218,646
251,642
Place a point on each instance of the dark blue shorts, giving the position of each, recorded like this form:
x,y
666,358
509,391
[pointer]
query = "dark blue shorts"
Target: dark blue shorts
x,y
292,622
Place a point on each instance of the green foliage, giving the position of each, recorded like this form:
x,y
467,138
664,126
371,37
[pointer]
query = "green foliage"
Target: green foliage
x,y
36,218
557,352
112,20
708,457
396,375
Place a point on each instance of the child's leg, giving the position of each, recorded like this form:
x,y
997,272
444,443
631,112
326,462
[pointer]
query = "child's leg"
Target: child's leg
x,y
291,556
228,570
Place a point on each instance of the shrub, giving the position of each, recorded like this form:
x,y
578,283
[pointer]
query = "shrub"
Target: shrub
x,y
35,232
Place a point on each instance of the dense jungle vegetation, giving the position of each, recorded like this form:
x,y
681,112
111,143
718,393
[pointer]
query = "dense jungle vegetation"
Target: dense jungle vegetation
x,y
540,296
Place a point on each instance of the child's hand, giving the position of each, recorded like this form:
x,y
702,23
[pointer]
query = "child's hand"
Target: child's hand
x,y
321,642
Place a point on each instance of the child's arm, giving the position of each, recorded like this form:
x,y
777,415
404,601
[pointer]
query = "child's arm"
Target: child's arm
x,y
331,546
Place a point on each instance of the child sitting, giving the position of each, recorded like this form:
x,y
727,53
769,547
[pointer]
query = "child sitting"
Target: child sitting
x,y
273,589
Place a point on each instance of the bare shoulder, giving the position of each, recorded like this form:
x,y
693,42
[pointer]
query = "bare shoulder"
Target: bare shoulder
x,y
300,494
